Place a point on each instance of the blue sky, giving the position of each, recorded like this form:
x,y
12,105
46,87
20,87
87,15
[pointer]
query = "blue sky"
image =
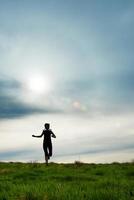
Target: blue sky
x,y
69,63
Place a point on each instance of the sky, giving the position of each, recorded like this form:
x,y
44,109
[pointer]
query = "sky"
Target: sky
x,y
69,63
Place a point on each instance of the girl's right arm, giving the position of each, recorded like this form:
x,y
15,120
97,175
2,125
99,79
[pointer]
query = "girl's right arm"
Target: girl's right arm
x,y
38,136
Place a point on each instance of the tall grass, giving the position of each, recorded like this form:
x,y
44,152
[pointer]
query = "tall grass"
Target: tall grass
x,y
34,181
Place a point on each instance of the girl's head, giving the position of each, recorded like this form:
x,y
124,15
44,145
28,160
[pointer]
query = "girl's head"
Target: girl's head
x,y
47,126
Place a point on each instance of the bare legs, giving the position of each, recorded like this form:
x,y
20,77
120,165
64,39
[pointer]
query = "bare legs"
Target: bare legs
x,y
47,151
46,159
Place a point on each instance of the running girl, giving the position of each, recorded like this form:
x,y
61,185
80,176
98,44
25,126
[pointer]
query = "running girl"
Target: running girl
x,y
47,143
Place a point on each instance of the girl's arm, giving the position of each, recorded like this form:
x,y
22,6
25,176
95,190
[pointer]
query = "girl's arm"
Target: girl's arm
x,y
38,136
53,135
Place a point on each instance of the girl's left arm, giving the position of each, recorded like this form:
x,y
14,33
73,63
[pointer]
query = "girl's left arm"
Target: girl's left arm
x,y
53,135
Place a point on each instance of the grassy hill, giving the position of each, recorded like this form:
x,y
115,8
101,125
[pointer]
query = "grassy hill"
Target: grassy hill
x,y
35,181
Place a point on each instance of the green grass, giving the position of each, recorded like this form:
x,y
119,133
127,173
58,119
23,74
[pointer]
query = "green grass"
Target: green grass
x,y
34,181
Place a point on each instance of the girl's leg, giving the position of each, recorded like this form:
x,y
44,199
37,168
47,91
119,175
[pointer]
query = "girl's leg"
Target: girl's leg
x,y
46,153
46,158
50,149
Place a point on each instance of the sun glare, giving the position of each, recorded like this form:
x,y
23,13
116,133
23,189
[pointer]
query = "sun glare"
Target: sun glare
x,y
38,84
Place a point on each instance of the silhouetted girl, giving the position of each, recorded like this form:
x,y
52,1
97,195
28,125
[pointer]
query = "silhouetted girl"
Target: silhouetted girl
x,y
47,143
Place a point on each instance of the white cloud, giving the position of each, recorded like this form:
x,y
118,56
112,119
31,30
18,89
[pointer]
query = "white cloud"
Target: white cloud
x,y
87,55
76,135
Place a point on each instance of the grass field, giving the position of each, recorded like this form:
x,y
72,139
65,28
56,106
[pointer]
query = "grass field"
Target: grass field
x,y
35,181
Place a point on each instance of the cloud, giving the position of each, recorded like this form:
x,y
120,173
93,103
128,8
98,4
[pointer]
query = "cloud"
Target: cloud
x,y
9,84
107,93
101,145
14,153
11,108
104,94
10,104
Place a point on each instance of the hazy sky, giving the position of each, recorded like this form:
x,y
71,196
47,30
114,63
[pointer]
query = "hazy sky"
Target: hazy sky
x,y
69,63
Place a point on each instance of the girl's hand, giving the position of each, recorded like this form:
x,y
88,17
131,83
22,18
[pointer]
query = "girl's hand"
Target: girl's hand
x,y
54,136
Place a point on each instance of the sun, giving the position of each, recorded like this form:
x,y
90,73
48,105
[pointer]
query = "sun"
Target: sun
x,y
38,84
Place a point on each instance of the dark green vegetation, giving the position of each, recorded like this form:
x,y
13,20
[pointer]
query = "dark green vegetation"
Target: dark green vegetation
x,y
34,181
